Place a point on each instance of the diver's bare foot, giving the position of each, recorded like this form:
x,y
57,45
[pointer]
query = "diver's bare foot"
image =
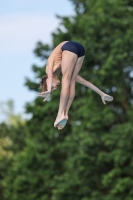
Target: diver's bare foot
x,y
62,124
66,117
58,119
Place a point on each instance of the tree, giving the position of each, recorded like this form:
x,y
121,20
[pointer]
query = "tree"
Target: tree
x,y
92,157
12,139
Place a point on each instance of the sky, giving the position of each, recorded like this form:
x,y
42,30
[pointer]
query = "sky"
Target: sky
x,y
22,24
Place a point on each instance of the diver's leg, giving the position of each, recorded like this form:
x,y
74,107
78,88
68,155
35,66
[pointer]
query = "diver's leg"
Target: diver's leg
x,y
72,88
69,60
72,84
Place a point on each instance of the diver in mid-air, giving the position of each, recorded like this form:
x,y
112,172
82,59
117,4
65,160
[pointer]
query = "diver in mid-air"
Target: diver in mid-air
x,y
66,59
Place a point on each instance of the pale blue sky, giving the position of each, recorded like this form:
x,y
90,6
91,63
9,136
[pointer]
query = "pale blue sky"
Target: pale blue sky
x,y
22,24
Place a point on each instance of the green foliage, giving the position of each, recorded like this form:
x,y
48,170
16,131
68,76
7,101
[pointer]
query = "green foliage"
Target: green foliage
x,y
11,143
91,158
12,139
7,110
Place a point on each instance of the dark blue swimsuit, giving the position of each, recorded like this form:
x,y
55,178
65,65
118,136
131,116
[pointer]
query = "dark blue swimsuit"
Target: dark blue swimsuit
x,y
74,47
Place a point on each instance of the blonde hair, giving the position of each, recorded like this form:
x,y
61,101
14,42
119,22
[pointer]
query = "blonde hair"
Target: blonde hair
x,y
43,84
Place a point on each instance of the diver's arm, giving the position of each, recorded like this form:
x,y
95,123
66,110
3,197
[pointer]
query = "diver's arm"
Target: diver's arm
x,y
49,72
104,97
86,83
49,79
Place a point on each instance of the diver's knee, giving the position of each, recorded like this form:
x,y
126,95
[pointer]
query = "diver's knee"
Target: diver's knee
x,y
66,82
72,82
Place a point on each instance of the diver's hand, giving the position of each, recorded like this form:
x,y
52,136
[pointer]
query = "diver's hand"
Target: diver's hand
x,y
106,97
46,95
